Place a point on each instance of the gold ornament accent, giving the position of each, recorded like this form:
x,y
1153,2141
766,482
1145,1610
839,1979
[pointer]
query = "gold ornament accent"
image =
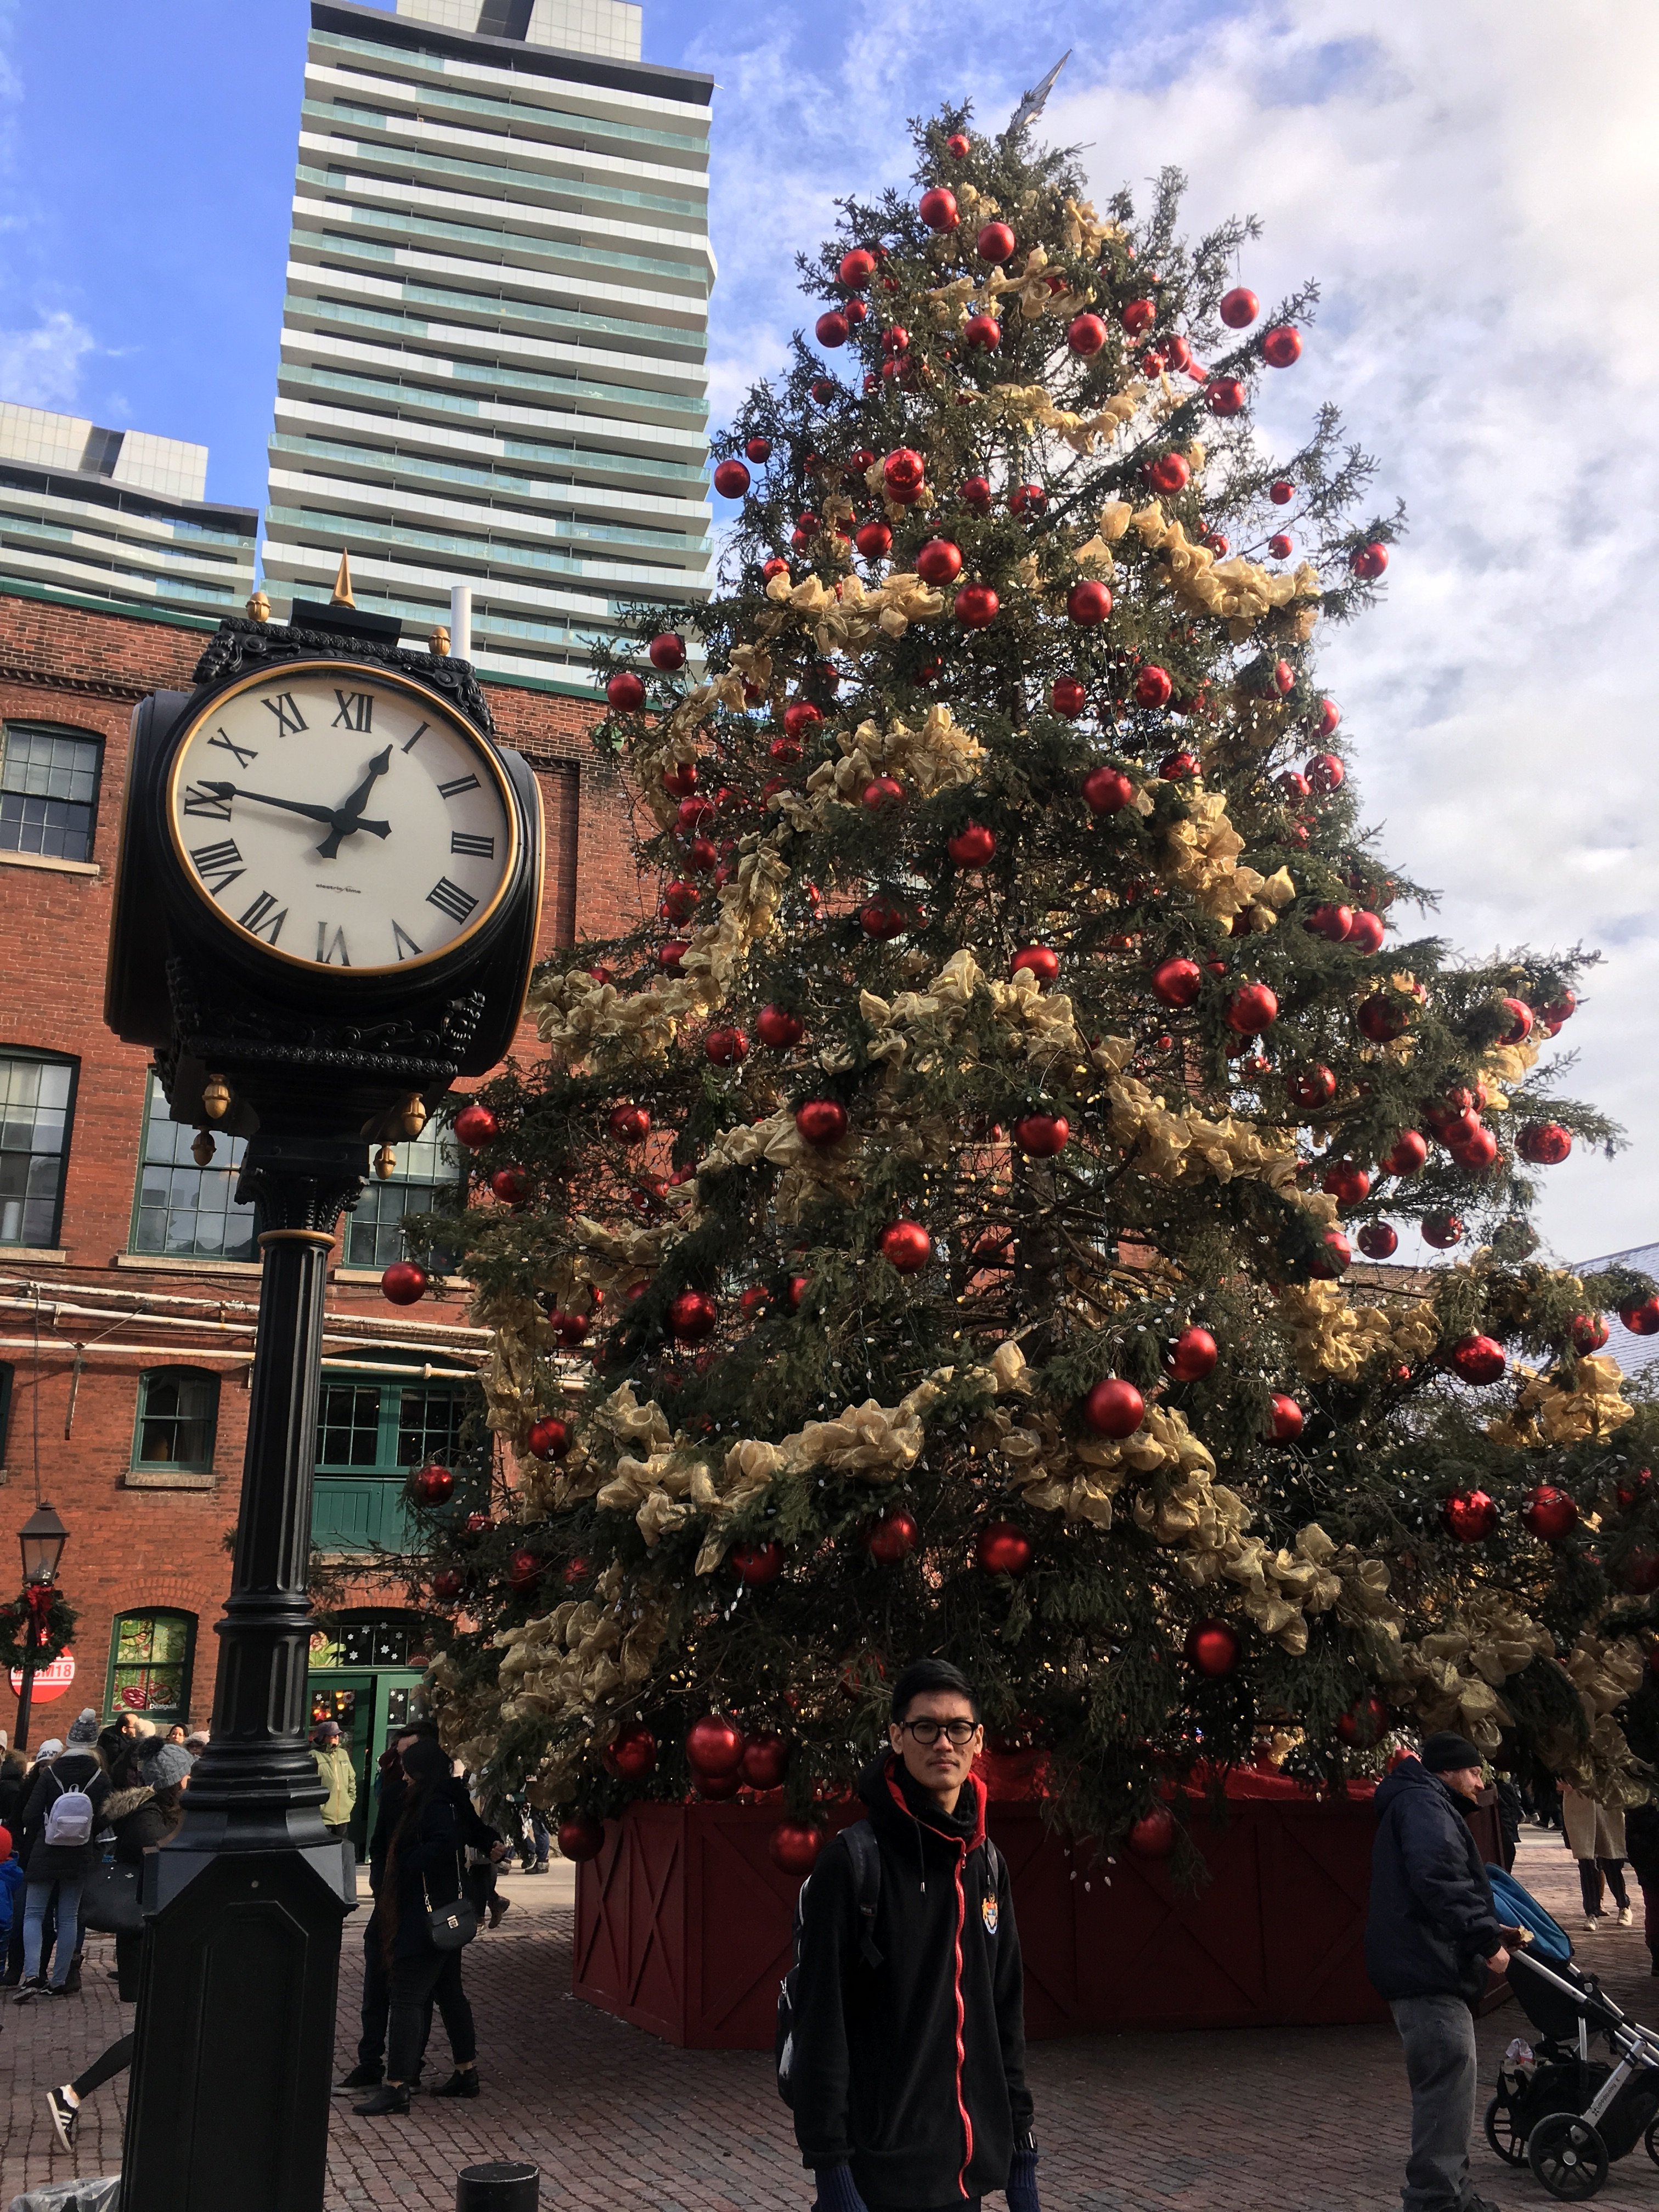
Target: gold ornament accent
x,y
412,1118
202,1147
385,1162
258,608
342,592
438,643
216,1098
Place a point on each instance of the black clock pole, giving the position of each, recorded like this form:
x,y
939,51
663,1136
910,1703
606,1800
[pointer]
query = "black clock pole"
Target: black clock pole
x,y
229,2099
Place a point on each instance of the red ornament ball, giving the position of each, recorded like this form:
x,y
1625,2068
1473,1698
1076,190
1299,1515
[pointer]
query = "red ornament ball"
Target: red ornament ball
x,y
1154,1835
433,1485
1041,1136
1087,334
1281,493
477,1127
1640,1573
1470,1515
832,328
795,1845
625,691
1315,1086
903,471
1549,1514
1544,1144
1379,1241
1369,561
857,268
882,919
1138,316
1252,1007
1153,687
759,450
1225,396
714,1745
765,1761
631,1753
1003,1549
724,1048
691,1316
1641,1317
1239,307
1333,923
779,1029
1193,1355
938,209
1028,499
1409,1153
1334,1257
666,652
1281,346
1366,932
1114,1407
1365,1723
1177,983
1284,1418
1346,1182
630,1125
754,1566
1106,790
976,494
1170,474
891,1537
939,562
1212,1646
1042,961
882,794
510,1185
731,479
581,1838
874,540
821,1122
1281,546
907,1246
1477,1358
1088,602
973,846
404,1284
1589,1333
447,1585
975,606
1444,1229
1382,1018
994,243
983,331
524,1571
550,1437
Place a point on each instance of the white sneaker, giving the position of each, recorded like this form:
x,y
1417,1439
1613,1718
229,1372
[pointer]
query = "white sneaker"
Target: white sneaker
x,y
1623,1915
1593,1922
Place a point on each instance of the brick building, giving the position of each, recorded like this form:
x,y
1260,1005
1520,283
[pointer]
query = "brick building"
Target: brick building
x,y
129,1277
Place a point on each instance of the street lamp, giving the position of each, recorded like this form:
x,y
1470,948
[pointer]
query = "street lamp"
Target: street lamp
x,y
41,1538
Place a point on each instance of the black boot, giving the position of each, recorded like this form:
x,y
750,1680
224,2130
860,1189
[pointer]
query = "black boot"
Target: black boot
x,y
362,2077
462,2082
385,2099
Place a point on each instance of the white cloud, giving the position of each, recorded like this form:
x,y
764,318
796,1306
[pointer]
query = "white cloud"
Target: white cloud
x,y
1470,184
41,367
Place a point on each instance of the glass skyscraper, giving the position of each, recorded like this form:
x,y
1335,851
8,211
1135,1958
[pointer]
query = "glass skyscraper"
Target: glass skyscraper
x,y
494,340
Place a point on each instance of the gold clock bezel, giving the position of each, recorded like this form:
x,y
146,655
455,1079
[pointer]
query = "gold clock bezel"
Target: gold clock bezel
x,y
358,672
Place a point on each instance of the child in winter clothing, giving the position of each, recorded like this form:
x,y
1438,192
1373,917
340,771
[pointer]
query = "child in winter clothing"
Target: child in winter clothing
x,y
11,1883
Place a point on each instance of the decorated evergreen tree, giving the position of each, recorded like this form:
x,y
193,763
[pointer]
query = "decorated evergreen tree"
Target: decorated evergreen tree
x,y
929,1233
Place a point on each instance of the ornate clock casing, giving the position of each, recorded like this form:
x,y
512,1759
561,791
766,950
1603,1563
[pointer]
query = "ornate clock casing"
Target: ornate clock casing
x,y
328,871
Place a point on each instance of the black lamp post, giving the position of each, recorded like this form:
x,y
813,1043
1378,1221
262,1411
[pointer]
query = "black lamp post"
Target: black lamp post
x,y
42,1537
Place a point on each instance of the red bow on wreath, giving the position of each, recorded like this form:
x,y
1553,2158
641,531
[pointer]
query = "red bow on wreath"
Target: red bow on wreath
x,y
39,1597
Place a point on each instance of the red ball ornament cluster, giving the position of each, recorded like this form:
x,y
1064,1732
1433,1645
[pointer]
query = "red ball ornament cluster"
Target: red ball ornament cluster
x,y
1003,1549
1470,1515
1549,1514
1212,1647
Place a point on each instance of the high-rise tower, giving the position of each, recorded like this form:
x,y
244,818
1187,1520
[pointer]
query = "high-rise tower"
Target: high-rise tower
x,y
493,341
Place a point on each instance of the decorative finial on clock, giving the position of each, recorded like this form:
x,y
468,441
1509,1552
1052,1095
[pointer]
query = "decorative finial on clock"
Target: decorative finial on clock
x,y
438,643
258,608
342,595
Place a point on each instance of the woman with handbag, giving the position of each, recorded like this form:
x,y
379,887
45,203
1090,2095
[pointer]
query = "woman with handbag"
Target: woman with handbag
x,y
422,1921
142,1809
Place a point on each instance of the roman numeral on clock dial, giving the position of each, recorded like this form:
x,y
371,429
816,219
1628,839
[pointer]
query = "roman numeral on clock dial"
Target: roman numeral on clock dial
x,y
218,865
449,898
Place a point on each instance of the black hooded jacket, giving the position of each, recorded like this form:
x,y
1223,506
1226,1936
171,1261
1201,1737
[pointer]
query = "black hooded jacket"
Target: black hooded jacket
x,y
913,2070
1432,1926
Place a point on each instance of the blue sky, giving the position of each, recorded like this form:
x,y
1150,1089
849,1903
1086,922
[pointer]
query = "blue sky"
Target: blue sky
x,y
1469,184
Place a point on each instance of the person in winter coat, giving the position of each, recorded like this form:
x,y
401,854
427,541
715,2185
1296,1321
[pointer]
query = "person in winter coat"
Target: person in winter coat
x,y
906,2063
13,1768
1595,1837
11,1883
338,1776
58,1863
1430,1938
422,1869
143,1807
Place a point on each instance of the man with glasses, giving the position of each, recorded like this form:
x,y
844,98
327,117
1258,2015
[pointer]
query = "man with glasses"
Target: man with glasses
x,y
906,2068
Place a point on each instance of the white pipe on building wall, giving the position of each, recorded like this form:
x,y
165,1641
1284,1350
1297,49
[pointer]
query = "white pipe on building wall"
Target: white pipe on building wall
x,y
460,620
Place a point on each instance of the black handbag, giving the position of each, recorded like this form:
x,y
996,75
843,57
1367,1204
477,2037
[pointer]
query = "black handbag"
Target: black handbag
x,y
452,1926
109,1900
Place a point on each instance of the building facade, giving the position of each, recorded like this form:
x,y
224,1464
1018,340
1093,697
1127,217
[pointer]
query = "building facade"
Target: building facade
x,y
117,517
129,1277
495,331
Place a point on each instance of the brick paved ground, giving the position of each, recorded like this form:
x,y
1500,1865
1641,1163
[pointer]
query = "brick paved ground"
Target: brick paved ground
x,y
1242,2121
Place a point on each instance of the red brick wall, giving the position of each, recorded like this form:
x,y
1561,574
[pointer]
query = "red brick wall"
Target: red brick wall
x,y
134,1549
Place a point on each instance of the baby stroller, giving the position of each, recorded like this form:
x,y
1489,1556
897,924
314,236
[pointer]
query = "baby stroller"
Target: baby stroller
x,y
1557,2110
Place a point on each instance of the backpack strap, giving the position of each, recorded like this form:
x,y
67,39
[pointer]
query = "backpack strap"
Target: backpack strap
x,y
865,1854
992,1867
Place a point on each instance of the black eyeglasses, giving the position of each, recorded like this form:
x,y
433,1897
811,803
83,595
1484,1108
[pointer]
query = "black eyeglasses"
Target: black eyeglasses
x,y
961,1732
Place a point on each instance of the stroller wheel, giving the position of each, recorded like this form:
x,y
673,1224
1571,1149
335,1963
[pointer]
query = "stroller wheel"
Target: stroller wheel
x,y
1568,2155
1651,2139
1505,2138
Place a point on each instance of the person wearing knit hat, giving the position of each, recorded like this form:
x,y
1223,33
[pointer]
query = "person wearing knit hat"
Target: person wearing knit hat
x,y
49,1750
85,1726
60,1816
1432,1937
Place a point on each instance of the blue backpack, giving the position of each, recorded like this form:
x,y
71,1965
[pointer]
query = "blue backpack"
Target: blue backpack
x,y
1518,1908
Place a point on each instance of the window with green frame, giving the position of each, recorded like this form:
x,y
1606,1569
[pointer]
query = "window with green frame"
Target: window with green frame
x,y
177,1420
428,1175
371,1431
149,1665
187,1212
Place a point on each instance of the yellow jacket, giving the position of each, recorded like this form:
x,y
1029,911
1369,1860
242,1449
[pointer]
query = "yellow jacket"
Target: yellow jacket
x,y
339,1779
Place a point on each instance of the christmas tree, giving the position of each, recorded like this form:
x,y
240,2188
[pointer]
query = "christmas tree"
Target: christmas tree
x,y
929,1231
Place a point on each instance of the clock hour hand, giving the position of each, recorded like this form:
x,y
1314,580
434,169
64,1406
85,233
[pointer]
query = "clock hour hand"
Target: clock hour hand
x,y
348,816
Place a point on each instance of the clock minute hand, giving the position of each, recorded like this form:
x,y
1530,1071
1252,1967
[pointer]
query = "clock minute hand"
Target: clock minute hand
x,y
269,799
347,817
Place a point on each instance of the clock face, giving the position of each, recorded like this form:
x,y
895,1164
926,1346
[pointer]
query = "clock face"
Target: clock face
x,y
341,816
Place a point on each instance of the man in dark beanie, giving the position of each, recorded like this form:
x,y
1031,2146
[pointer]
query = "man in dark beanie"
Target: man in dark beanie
x,y
1431,1937
905,2057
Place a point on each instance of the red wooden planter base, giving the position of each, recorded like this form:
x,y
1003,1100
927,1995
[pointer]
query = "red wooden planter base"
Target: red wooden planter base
x,y
682,1922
